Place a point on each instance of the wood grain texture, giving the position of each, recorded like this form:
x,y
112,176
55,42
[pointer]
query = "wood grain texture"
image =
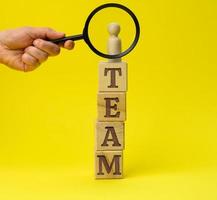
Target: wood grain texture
x,y
112,77
108,164
111,106
109,136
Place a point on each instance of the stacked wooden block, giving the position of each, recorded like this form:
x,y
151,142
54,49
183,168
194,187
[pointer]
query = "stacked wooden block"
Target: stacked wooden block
x,y
109,135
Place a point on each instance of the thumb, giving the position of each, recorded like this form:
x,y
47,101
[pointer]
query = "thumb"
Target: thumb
x,y
45,33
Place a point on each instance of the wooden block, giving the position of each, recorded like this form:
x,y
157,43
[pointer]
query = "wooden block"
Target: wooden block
x,y
108,164
111,106
109,136
112,77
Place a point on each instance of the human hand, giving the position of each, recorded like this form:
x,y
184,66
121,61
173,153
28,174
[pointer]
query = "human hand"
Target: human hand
x,y
26,48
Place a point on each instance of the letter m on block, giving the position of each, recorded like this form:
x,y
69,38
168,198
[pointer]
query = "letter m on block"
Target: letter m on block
x,y
109,165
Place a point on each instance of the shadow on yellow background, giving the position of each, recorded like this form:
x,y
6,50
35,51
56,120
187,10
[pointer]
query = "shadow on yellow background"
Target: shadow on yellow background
x,y
47,116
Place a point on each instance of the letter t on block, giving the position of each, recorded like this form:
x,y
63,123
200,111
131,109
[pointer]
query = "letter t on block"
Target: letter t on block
x,y
113,77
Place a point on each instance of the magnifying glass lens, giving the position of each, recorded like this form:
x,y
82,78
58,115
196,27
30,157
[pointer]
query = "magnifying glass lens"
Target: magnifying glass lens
x,y
99,30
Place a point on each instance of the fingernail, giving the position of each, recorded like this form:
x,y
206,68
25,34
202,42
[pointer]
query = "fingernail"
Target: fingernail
x,y
36,42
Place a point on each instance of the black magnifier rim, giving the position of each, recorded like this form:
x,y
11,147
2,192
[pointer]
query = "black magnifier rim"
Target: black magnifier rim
x,y
86,34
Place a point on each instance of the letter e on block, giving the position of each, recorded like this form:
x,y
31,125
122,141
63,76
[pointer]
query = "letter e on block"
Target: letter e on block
x,y
113,77
111,106
108,164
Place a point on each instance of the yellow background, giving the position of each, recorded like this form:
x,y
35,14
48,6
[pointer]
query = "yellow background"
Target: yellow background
x,y
47,116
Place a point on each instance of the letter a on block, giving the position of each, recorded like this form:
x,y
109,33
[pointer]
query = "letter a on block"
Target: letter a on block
x,y
109,164
113,77
109,136
112,106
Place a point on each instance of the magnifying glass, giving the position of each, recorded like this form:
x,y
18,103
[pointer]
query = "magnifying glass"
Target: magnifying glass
x,y
85,35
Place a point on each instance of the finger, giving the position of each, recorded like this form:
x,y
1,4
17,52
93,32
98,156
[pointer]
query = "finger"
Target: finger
x,y
69,44
45,33
49,47
30,60
40,55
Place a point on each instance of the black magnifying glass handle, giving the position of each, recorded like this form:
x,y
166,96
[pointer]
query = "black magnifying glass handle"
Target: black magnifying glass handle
x,y
73,38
